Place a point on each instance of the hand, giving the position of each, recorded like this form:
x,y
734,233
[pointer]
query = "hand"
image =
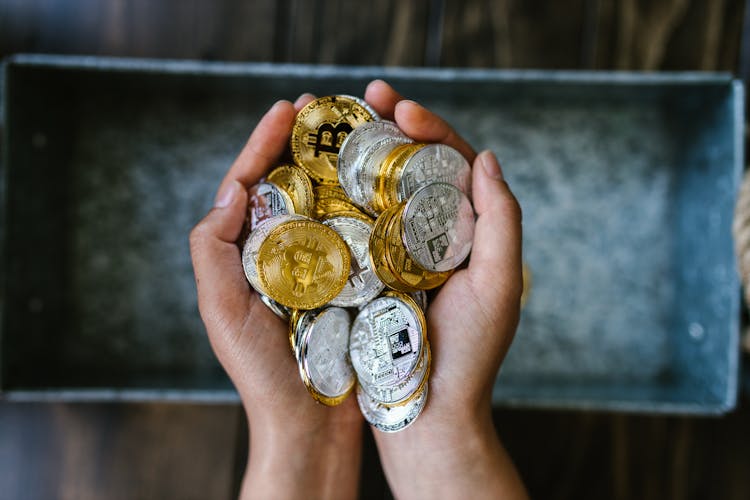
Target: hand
x,y
299,447
452,449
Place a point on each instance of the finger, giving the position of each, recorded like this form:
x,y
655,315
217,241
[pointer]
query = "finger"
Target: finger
x,y
423,125
497,234
223,293
303,101
382,98
266,144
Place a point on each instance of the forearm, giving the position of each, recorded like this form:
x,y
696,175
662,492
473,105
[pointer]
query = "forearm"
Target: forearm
x,y
461,459
321,462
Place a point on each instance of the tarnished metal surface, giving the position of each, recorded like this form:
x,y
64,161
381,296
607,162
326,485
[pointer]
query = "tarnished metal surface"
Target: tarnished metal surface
x,y
627,183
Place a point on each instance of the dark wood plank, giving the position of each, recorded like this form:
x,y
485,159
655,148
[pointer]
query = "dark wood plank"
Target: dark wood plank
x,y
93,451
355,33
512,33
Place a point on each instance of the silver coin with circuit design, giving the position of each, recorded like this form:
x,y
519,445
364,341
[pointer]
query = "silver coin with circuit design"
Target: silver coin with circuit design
x,y
362,284
323,356
438,227
369,169
391,418
403,392
353,149
434,163
386,341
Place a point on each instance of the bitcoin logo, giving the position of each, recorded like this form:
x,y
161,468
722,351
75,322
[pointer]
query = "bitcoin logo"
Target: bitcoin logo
x,y
303,264
318,132
328,138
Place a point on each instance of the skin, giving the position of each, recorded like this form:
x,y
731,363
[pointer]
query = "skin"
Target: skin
x,y
453,447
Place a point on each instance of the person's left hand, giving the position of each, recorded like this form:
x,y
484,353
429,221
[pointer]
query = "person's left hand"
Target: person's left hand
x,y
299,448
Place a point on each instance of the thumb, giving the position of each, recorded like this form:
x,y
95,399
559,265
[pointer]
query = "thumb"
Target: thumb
x,y
495,266
223,292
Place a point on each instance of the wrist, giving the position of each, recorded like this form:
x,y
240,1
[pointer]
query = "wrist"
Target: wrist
x,y
315,458
451,456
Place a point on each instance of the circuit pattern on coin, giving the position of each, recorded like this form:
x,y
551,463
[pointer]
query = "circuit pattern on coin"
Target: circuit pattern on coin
x,y
438,227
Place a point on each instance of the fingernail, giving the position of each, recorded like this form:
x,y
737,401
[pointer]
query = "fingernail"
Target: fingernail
x,y
490,165
303,97
226,195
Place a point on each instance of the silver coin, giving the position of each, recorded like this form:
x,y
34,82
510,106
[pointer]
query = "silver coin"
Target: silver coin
x,y
353,150
278,309
364,104
266,200
391,418
397,394
324,353
369,169
252,246
434,163
438,227
362,285
386,342
304,320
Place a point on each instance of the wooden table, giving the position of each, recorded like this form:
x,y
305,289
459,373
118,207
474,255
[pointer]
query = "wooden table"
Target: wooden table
x,y
82,451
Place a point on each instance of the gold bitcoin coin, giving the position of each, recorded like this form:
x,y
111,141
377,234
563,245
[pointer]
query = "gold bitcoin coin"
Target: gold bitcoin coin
x,y
295,182
303,264
318,131
331,200
378,248
386,194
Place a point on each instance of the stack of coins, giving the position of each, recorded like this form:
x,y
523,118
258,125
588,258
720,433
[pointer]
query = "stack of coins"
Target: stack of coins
x,y
343,243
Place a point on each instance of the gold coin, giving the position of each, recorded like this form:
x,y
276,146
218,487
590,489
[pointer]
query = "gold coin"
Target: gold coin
x,y
386,193
319,130
303,264
378,248
355,214
293,319
331,200
295,182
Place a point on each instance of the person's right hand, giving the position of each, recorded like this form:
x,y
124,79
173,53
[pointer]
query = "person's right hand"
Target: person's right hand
x,y
299,448
452,449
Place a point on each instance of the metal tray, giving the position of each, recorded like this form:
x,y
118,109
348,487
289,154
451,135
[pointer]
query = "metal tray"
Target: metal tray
x,y
627,183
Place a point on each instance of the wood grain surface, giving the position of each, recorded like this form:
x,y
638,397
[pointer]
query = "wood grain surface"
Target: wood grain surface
x,y
161,451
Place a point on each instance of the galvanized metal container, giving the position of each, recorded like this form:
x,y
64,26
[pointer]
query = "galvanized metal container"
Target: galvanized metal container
x,y
627,183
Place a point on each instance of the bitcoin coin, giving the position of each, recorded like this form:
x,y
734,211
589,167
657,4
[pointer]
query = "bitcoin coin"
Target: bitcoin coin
x,y
318,132
391,418
324,356
378,247
353,150
405,391
362,284
409,274
364,104
252,245
295,182
303,264
264,201
368,169
386,342
438,227
434,163
386,192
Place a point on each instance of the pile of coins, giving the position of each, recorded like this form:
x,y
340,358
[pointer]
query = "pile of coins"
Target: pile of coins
x,y
343,243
